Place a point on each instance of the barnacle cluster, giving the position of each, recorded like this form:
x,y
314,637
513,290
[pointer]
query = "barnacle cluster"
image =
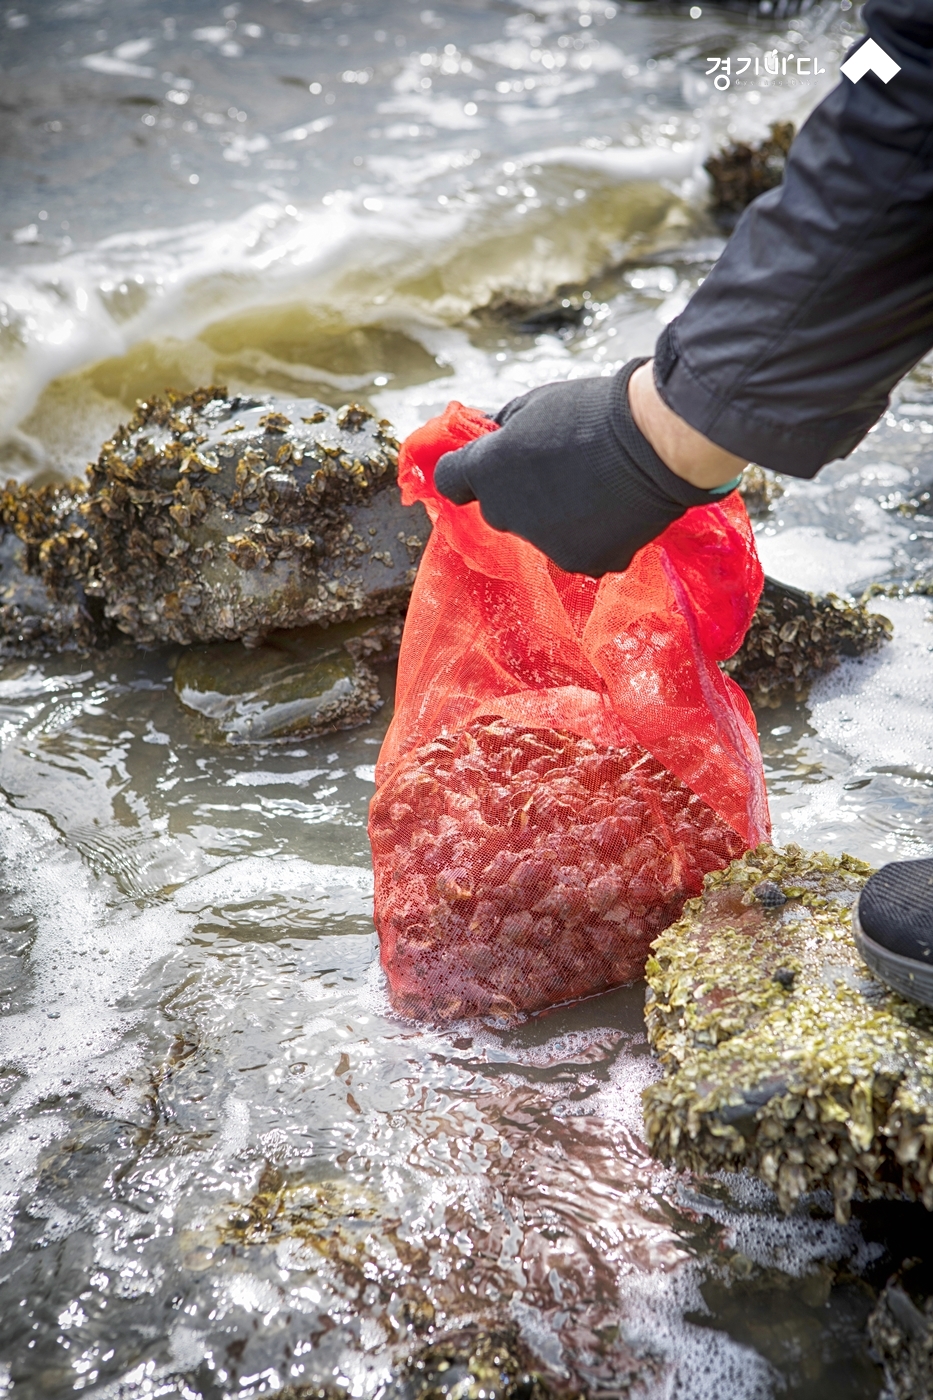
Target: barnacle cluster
x,y
212,517
782,1054
795,636
222,518
44,553
331,1228
471,1364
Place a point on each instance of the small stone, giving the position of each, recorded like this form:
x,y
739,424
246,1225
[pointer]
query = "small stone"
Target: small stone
x,y
784,977
769,894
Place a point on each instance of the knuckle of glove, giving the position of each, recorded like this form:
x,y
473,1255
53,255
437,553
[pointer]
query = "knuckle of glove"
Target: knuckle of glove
x,y
451,478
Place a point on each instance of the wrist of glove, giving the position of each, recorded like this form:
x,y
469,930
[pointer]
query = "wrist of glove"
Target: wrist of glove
x,y
570,472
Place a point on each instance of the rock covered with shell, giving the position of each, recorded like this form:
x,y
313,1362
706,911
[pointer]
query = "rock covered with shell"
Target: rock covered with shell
x,y
46,558
210,518
217,518
796,636
781,1053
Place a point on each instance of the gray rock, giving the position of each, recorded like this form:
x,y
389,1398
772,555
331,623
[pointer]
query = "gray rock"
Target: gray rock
x,y
297,684
211,518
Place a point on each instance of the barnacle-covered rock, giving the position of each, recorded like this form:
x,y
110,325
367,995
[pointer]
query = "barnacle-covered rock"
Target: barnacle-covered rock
x,y
740,172
782,1053
333,1228
213,518
307,681
225,518
795,636
46,555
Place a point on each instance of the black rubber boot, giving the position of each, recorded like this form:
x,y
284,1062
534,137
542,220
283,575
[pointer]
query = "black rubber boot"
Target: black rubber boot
x,y
893,927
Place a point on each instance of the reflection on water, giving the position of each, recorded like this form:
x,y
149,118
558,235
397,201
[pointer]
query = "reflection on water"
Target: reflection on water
x,y
226,1167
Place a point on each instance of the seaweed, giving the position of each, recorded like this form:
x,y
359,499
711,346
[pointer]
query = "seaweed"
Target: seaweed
x,y
781,1053
741,171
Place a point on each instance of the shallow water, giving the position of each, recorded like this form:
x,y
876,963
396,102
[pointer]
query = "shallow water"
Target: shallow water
x,y
192,1010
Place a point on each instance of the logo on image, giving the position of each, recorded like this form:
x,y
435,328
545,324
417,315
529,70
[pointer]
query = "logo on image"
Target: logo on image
x,y
870,58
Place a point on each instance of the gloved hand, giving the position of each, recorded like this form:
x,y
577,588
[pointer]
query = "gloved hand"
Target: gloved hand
x,y
570,472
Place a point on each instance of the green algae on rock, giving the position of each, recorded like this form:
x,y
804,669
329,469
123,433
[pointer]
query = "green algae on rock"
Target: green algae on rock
x,y
796,636
211,518
298,683
781,1053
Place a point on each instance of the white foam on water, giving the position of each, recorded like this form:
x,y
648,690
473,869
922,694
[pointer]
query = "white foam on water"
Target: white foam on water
x,y
329,889
85,960
347,260
805,556
878,708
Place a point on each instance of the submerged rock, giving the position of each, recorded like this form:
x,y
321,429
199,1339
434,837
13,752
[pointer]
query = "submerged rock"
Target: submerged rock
x,y
298,683
469,1364
796,636
213,518
901,1332
782,1054
741,171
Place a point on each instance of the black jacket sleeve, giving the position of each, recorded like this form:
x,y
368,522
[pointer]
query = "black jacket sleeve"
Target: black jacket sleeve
x,y
823,297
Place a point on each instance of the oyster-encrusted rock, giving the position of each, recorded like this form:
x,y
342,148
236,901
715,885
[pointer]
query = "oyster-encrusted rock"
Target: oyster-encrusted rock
x,y
213,518
45,559
782,1054
795,636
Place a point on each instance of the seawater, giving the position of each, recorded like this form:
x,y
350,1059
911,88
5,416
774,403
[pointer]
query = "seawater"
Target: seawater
x,y
225,1166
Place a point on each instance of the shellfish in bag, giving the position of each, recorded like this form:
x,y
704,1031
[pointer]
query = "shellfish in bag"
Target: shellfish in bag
x,y
566,760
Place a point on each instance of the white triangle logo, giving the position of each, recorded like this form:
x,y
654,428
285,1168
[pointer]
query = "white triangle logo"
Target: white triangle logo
x,y
870,58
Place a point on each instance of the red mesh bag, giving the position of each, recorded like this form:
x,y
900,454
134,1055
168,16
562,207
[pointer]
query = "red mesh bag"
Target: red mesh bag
x,y
566,760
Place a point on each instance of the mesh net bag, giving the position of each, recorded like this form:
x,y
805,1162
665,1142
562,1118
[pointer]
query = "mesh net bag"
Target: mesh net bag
x,y
566,760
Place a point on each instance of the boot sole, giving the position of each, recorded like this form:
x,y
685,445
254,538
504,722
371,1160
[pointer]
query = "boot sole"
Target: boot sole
x,y
910,978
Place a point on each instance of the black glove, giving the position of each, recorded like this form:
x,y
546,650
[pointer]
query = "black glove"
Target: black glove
x,y
570,472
